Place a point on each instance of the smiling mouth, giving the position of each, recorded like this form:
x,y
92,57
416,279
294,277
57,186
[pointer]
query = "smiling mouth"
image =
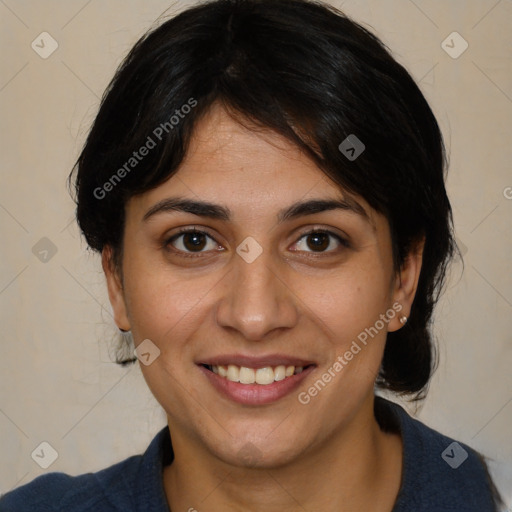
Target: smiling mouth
x,y
263,376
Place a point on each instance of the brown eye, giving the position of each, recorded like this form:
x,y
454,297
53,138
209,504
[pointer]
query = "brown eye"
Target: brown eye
x,y
320,241
192,241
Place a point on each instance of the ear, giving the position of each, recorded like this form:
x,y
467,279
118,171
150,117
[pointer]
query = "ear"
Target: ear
x,y
115,289
406,283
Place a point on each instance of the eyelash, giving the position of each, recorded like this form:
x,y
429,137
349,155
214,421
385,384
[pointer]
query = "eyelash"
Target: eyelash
x,y
168,242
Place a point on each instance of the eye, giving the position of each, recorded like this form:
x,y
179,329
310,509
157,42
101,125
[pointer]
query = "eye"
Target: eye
x,y
320,240
192,240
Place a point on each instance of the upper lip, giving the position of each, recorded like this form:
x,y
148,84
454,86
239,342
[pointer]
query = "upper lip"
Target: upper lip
x,y
255,362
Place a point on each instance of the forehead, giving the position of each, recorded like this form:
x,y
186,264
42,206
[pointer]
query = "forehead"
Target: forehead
x,y
225,149
254,171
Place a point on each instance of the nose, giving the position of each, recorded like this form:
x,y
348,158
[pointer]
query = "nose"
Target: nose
x,y
257,300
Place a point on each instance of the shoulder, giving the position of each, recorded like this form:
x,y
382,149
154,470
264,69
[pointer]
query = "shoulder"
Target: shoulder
x,y
91,491
133,484
439,473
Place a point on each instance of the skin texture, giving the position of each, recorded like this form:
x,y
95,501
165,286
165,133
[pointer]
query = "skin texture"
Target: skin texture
x,y
327,455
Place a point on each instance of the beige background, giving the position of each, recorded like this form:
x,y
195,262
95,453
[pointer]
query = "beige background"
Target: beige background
x,y
58,383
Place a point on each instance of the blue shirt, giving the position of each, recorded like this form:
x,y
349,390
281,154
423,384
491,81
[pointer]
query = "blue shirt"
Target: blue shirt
x,y
439,475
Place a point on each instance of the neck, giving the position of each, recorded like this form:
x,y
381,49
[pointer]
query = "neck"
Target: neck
x,y
358,468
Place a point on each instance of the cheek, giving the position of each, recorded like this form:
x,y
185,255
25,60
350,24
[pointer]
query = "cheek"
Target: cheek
x,y
162,305
350,300
167,310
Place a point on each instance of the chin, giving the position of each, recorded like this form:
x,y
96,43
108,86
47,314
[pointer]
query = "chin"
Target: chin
x,y
260,454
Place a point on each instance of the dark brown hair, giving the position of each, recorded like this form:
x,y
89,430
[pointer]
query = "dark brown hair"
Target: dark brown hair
x,y
306,71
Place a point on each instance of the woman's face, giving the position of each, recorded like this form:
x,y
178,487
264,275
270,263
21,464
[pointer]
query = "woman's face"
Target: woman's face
x,y
254,288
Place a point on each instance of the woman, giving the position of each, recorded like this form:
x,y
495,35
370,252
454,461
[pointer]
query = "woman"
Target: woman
x,y
265,184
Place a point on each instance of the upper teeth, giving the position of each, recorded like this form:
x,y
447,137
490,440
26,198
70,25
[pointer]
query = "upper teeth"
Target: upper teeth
x,y
263,376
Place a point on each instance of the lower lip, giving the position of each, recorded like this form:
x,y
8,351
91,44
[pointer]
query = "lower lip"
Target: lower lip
x,y
256,394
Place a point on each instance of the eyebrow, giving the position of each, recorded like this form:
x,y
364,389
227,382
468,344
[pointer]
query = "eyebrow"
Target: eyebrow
x,y
218,212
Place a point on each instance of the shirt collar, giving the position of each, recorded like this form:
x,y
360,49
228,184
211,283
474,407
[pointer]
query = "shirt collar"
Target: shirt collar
x,y
149,492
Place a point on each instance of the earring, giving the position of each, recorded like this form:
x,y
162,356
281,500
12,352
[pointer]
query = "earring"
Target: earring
x,y
403,320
